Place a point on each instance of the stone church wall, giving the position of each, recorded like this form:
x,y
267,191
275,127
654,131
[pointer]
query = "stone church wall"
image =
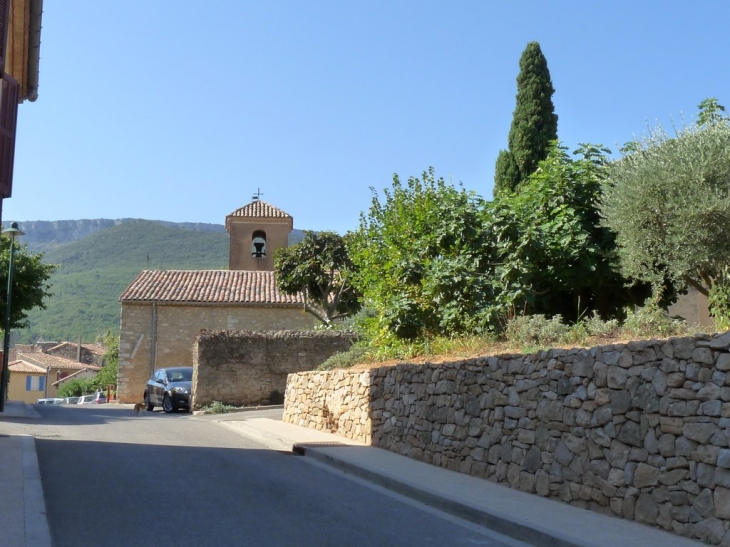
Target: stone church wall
x,y
640,430
174,328
250,368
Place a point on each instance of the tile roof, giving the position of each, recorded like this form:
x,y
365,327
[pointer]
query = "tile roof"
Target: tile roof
x,y
258,209
209,287
45,360
96,349
22,366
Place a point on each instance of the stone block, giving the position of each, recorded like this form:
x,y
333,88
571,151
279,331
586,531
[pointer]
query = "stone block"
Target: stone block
x,y
683,347
647,510
645,475
617,377
700,432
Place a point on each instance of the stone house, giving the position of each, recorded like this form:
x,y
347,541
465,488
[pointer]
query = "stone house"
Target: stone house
x,y
164,310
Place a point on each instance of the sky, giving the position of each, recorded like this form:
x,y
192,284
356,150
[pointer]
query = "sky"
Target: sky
x,y
182,110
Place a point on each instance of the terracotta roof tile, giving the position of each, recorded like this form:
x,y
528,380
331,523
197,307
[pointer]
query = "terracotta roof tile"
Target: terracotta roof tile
x,y
209,287
96,349
22,366
45,360
259,209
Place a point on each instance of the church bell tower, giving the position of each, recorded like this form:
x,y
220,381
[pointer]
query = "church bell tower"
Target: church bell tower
x,y
256,231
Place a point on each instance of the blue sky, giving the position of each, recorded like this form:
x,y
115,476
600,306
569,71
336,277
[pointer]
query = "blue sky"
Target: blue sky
x,y
180,110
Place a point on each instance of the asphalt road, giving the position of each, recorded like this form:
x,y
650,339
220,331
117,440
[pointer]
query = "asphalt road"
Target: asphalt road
x,y
113,479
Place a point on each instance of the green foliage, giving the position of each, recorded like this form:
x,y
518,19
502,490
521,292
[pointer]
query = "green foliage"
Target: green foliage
x,y
595,326
320,268
76,387
710,112
652,321
668,203
534,122
108,374
719,298
31,285
506,173
420,255
536,330
346,359
94,271
217,407
553,257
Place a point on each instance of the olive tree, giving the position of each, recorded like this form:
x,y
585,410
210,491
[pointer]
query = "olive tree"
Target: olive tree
x,y
668,201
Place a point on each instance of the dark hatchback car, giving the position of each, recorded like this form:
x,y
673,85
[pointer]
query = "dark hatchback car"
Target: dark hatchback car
x,y
169,388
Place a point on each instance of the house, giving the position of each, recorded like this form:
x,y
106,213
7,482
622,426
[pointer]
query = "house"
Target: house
x,y
27,382
34,375
164,310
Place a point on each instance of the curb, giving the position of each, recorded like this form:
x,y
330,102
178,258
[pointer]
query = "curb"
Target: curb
x,y
498,523
37,532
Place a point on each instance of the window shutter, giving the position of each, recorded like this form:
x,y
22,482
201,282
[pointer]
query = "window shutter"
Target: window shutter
x,y
4,22
28,380
8,119
42,383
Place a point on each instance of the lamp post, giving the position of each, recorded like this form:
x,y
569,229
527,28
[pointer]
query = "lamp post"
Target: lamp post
x,y
13,232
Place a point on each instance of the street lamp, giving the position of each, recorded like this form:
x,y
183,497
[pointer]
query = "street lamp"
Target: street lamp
x,y
13,232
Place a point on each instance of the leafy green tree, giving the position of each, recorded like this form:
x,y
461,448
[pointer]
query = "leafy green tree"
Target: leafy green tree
x,y
710,112
553,256
320,268
30,281
669,204
76,387
420,255
109,372
534,123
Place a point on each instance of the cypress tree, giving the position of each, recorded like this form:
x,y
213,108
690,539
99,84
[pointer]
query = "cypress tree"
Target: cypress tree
x,y
534,122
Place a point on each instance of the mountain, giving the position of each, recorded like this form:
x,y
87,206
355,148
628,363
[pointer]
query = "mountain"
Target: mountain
x,y
97,259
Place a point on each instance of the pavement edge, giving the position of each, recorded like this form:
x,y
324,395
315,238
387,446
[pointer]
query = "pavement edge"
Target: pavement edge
x,y
503,525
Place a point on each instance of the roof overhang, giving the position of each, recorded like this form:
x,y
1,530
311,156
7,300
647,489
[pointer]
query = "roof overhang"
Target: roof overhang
x,y
24,46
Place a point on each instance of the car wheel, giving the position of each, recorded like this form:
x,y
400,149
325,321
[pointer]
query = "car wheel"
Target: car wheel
x,y
167,404
150,407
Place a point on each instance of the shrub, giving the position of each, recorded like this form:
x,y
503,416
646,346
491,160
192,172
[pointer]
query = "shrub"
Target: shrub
x,y
345,359
76,387
217,407
652,321
532,330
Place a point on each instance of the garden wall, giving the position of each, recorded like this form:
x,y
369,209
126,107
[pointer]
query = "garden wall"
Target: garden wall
x,y
638,430
250,367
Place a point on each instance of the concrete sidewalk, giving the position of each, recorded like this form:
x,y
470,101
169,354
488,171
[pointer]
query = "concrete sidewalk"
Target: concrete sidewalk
x,y
525,517
23,520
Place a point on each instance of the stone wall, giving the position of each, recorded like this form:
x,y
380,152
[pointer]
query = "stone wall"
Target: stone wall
x,y
153,337
250,368
639,430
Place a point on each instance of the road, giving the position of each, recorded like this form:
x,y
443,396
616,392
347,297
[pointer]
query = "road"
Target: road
x,y
113,479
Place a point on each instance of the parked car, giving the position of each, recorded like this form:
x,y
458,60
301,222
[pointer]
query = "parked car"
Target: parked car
x,y
71,400
49,401
169,388
99,398
85,400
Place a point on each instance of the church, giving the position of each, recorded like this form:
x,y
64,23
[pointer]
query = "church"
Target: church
x,y
164,310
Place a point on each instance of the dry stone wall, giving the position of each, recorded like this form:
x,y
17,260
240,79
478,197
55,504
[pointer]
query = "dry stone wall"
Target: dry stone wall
x,y
250,367
639,430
